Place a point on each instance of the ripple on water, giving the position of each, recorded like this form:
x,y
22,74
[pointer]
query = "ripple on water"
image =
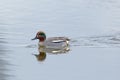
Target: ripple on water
x,y
3,59
98,41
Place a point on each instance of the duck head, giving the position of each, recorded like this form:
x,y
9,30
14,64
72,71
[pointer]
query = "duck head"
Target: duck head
x,y
41,36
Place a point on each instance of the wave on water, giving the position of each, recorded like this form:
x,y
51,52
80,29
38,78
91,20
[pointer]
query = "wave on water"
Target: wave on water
x,y
4,59
97,41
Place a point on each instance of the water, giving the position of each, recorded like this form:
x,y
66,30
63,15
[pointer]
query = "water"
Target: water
x,y
93,27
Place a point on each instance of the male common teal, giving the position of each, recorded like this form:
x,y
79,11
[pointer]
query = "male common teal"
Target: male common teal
x,y
52,42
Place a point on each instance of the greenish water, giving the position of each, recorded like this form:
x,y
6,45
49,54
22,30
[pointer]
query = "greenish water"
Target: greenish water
x,y
93,27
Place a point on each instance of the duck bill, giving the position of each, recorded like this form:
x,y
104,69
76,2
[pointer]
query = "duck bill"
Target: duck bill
x,y
34,38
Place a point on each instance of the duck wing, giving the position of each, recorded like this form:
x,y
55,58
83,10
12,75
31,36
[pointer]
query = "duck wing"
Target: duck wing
x,y
58,39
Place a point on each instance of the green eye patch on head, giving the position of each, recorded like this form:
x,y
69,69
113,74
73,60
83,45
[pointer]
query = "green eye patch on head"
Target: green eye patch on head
x,y
41,33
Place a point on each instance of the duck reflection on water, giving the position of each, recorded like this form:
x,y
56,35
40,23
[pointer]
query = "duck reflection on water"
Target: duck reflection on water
x,y
43,51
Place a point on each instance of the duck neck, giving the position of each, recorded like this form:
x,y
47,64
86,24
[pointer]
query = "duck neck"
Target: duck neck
x,y
41,45
41,42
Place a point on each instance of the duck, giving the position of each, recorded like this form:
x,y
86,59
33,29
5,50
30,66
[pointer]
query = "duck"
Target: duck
x,y
51,42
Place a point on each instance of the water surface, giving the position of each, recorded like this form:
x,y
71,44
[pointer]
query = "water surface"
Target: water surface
x,y
93,27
